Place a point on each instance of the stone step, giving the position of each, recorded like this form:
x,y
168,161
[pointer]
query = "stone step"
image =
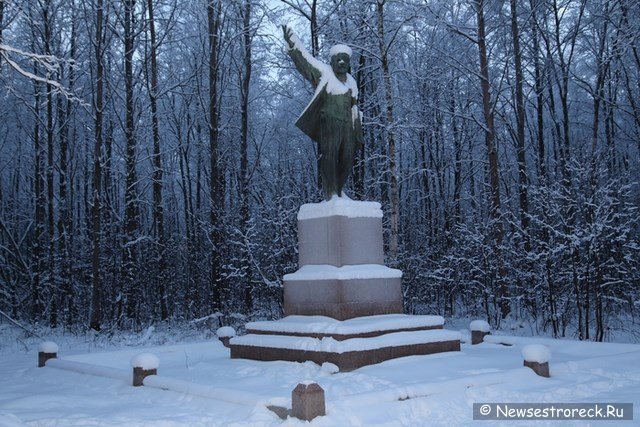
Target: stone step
x,y
347,354
340,330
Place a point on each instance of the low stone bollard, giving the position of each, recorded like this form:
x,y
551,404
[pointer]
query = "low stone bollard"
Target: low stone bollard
x,y
225,334
479,329
537,357
48,350
307,401
144,364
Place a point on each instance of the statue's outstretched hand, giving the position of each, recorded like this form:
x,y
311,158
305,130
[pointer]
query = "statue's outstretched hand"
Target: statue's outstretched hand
x,y
288,33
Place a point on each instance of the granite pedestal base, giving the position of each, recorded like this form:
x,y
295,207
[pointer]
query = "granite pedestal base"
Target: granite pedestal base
x,y
343,292
341,263
343,305
348,344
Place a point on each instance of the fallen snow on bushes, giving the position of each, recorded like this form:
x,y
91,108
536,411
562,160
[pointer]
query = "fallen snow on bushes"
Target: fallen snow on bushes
x,y
90,384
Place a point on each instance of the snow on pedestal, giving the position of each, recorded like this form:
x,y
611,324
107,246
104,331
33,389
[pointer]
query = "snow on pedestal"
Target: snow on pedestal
x,y
144,364
480,326
479,329
327,326
330,345
340,206
48,347
536,357
145,361
536,353
225,333
47,350
346,272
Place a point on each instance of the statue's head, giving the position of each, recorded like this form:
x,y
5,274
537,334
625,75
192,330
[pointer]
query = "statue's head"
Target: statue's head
x,y
340,55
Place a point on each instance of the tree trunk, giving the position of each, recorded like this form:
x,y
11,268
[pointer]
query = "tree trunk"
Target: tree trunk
x,y
538,87
492,157
96,285
131,215
158,209
37,307
1,27
244,162
520,117
214,11
360,160
391,142
65,222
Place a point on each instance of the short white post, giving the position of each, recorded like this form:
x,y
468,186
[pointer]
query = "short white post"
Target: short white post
x,y
225,333
479,329
536,357
144,364
48,350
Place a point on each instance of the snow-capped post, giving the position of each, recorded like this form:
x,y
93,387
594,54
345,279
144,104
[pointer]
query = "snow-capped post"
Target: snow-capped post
x,y
537,357
307,401
224,334
144,364
479,329
48,350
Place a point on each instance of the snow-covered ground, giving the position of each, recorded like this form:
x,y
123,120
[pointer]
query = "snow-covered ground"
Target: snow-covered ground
x,y
414,391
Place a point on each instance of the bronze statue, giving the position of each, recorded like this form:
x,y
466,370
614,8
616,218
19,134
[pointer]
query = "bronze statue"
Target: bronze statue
x,y
332,118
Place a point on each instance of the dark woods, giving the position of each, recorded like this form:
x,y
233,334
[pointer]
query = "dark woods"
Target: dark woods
x,y
150,169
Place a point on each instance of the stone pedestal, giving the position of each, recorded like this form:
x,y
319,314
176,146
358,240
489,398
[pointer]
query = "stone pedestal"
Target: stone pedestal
x,y
341,263
343,305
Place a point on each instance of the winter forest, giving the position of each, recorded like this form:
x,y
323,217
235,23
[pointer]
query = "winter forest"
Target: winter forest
x,y
150,169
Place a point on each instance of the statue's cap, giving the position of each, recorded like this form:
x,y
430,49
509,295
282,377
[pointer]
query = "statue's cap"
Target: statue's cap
x,y
340,48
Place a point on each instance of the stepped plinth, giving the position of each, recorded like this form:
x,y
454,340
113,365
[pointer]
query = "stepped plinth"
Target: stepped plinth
x,y
343,305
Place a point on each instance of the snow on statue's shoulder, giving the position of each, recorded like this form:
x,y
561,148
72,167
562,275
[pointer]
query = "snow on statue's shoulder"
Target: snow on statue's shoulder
x,y
340,206
536,353
145,361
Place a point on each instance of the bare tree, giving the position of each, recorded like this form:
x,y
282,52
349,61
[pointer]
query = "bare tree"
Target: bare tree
x,y
214,17
158,209
492,157
96,208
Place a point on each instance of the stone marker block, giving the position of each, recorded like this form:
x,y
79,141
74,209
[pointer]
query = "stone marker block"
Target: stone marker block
x,y
225,334
139,374
541,369
477,337
43,357
307,401
47,350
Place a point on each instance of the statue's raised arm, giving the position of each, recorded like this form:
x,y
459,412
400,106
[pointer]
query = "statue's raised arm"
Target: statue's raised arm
x,y
307,65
